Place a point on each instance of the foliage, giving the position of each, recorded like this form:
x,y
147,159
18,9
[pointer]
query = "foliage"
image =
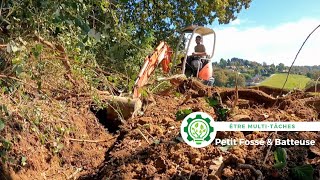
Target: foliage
x,y
213,102
1,124
221,112
91,30
280,67
23,161
280,157
115,34
236,79
5,145
221,78
228,78
162,18
304,172
313,74
182,113
223,63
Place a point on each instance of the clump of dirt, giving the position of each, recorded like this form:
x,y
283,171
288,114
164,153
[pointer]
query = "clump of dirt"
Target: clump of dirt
x,y
151,146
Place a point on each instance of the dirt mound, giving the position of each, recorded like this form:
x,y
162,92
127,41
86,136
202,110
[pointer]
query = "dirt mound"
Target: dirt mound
x,y
271,90
313,88
151,146
56,142
50,139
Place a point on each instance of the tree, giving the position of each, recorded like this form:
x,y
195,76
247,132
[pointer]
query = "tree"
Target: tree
x,y
117,34
164,17
272,69
220,78
257,70
309,74
222,63
280,67
247,63
228,62
247,76
315,75
241,80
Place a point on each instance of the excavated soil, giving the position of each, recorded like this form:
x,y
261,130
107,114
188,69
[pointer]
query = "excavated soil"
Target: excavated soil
x,y
150,146
314,88
78,150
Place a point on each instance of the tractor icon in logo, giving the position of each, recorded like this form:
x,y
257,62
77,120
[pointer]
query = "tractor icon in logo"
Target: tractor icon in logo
x,y
197,129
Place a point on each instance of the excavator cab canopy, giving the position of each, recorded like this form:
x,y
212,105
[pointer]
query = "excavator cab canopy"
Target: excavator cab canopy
x,y
198,29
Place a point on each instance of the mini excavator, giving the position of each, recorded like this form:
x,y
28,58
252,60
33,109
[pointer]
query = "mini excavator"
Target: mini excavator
x,y
163,53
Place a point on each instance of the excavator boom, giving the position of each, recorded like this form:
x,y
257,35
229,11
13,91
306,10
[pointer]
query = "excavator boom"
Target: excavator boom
x,y
162,54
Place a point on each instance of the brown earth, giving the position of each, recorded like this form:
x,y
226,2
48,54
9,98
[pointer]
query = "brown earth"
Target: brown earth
x,y
149,146
313,88
74,143
271,90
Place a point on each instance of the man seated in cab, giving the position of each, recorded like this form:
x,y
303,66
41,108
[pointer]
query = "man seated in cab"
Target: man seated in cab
x,y
199,52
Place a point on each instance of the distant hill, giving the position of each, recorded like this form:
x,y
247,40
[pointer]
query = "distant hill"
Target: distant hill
x,y
252,73
266,69
294,81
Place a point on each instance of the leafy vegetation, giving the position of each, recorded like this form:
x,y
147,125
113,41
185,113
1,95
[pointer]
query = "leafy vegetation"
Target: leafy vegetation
x,y
222,112
280,157
182,113
229,78
304,172
162,19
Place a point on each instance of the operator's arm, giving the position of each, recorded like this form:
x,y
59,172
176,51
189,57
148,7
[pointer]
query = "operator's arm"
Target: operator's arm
x,y
199,54
200,50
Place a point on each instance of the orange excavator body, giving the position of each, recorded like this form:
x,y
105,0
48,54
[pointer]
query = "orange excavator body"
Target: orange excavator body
x,y
162,54
206,72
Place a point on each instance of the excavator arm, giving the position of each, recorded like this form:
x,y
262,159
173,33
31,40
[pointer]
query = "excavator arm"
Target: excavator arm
x,y
162,54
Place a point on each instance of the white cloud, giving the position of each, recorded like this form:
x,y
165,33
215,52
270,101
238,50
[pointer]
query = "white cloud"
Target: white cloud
x,y
236,22
271,45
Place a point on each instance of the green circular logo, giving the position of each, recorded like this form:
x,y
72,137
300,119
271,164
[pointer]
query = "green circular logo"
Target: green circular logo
x,y
197,129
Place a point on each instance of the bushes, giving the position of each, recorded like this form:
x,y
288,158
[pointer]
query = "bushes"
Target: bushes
x,y
228,78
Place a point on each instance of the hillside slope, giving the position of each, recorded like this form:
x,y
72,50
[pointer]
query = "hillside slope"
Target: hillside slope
x,y
294,81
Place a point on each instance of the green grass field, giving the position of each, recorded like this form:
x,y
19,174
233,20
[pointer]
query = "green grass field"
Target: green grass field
x,y
294,81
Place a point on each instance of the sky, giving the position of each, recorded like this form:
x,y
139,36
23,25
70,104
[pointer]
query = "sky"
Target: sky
x,y
272,31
